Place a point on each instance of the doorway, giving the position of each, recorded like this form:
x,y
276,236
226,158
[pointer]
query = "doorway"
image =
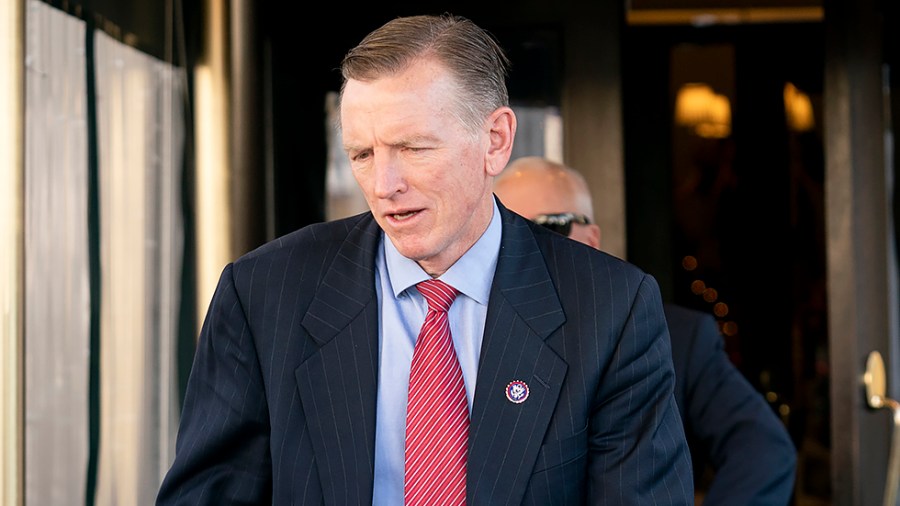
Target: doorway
x,y
724,167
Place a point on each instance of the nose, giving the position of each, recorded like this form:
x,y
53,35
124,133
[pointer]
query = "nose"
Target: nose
x,y
389,177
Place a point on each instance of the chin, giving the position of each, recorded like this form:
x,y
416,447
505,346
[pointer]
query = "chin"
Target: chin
x,y
410,247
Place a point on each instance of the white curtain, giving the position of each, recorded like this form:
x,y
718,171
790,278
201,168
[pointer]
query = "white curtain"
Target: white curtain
x,y
141,137
57,297
140,142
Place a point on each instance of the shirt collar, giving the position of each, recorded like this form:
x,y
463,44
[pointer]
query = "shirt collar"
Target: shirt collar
x,y
472,274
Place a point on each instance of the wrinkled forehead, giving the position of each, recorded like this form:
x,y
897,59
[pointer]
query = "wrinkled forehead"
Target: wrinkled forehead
x,y
399,110
428,88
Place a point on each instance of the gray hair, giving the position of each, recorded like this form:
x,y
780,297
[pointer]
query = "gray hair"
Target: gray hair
x,y
470,53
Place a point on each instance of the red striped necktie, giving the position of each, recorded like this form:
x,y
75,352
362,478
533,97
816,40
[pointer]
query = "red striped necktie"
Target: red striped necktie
x,y
437,413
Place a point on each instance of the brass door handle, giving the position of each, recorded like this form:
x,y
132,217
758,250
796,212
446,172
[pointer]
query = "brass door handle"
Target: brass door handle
x,y
876,388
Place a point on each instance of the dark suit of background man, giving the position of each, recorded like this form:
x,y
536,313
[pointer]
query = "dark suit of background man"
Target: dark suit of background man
x,y
728,423
298,389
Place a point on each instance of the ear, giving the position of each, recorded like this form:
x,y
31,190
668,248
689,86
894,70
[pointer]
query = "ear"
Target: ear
x,y
501,125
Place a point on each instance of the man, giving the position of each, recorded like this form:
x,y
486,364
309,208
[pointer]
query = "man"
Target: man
x,y
554,380
728,423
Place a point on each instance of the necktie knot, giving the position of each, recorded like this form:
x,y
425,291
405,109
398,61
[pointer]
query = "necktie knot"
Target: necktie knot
x,y
438,294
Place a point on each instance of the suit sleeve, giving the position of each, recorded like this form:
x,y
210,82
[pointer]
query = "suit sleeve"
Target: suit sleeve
x,y
222,448
747,445
638,451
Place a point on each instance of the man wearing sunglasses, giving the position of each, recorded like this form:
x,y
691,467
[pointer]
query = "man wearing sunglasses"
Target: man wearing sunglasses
x,y
728,424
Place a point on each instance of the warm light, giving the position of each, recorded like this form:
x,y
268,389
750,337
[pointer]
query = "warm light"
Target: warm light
x,y
691,102
708,113
689,263
720,309
710,294
724,15
213,189
798,109
698,286
729,328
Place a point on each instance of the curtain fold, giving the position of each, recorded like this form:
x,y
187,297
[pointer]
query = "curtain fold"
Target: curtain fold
x,y
57,316
140,146
139,105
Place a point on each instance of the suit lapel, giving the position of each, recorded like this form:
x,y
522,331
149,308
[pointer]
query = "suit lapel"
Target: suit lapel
x,y
338,383
524,309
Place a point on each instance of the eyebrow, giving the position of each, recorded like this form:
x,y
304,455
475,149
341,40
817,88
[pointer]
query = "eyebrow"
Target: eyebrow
x,y
409,141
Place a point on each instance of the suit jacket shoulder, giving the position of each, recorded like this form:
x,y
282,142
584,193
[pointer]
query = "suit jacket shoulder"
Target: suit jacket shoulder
x,y
728,423
289,327
586,331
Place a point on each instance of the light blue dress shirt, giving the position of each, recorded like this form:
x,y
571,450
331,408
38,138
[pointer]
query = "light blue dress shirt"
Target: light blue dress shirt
x,y
402,312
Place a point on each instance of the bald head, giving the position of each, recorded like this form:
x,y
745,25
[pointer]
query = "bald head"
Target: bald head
x,y
533,185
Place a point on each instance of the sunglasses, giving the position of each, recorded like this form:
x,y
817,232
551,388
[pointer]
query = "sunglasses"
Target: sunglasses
x,y
561,223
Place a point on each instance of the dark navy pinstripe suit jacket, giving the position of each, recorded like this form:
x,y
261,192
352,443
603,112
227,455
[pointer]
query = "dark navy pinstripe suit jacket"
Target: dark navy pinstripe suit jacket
x,y
280,405
728,423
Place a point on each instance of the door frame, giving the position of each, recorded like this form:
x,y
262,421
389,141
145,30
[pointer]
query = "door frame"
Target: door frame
x,y
860,245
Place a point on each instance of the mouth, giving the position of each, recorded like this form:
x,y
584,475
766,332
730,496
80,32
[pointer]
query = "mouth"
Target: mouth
x,y
404,215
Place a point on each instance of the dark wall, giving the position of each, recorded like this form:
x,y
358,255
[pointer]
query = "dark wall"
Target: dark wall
x,y
141,23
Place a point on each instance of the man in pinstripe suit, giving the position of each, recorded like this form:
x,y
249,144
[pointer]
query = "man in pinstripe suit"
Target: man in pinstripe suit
x,y
298,389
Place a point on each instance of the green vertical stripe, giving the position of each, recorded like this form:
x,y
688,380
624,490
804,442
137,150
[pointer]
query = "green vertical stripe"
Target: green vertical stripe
x,y
94,269
187,331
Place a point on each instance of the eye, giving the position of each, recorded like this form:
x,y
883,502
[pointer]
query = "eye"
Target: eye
x,y
416,149
360,156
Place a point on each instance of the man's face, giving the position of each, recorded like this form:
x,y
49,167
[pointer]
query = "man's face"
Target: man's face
x,y
535,193
423,174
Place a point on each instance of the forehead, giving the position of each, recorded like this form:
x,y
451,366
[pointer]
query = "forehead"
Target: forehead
x,y
424,85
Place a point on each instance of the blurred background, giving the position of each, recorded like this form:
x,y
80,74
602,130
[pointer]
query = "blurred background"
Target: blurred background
x,y
740,151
